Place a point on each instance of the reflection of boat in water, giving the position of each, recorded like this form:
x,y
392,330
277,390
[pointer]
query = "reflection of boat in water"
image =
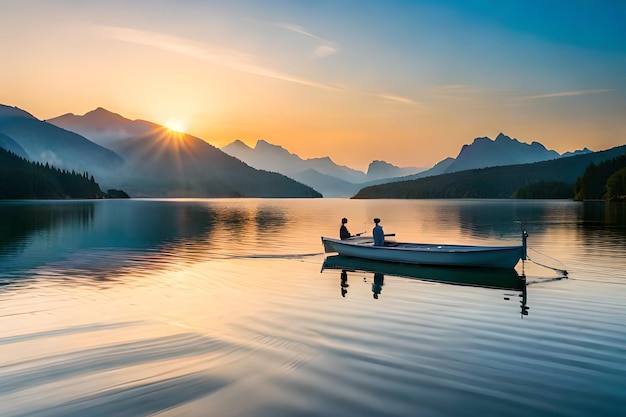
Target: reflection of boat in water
x,y
502,278
497,278
429,254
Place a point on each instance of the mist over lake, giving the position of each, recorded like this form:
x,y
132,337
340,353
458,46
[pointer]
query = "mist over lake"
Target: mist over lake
x,y
195,307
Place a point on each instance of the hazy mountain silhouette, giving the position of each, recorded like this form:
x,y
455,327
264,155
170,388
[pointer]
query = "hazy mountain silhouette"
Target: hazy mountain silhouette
x,y
576,152
168,163
332,180
276,158
380,170
11,145
327,184
160,162
323,174
102,126
44,142
164,163
484,152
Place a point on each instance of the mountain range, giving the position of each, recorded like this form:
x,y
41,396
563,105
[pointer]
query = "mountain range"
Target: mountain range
x,y
140,157
39,141
149,160
498,181
340,181
323,174
484,152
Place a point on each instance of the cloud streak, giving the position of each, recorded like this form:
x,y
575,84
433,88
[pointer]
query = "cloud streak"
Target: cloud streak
x,y
302,31
327,48
567,94
229,58
226,58
397,99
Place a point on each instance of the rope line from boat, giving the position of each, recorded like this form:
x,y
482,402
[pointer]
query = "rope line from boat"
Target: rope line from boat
x,y
543,281
560,270
526,257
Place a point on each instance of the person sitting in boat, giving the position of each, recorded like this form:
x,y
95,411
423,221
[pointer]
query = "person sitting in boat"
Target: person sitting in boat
x,y
378,233
343,230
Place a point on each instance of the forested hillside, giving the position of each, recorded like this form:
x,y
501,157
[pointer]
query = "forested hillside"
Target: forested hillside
x,y
495,182
606,180
22,179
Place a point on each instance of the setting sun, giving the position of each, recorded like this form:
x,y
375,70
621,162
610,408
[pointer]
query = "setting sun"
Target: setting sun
x,y
175,126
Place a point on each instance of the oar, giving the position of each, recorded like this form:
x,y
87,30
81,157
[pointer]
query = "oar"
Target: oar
x,y
386,234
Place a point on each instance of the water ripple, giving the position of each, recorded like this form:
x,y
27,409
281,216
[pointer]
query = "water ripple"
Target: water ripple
x,y
136,400
28,373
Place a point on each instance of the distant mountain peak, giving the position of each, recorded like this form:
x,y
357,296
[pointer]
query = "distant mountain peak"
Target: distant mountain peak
x,y
538,145
378,169
377,165
322,159
484,152
101,110
11,111
104,114
481,139
238,143
583,151
262,143
103,126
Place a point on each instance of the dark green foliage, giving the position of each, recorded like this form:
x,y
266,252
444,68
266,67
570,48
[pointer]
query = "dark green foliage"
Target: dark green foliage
x,y
545,189
616,186
495,182
592,184
22,179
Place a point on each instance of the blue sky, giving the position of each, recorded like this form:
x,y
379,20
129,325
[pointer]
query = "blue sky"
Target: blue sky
x,y
409,82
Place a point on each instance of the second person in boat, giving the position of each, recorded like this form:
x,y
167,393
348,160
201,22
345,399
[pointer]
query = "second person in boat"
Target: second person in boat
x,y
378,233
343,230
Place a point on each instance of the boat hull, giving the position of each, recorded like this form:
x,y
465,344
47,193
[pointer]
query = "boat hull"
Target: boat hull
x,y
500,278
428,254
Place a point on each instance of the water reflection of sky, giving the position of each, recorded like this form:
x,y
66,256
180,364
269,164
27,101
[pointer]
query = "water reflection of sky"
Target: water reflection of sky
x,y
223,308
101,240
103,236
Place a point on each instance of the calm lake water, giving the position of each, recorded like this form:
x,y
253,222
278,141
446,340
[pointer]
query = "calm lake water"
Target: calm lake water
x,y
221,308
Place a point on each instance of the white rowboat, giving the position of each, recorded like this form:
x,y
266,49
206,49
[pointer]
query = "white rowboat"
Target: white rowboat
x,y
429,254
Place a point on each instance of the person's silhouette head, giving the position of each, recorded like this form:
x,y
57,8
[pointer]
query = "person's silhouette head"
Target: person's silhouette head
x,y
344,221
376,220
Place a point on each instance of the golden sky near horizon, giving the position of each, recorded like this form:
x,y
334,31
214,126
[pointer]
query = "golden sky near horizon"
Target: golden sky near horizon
x,y
408,82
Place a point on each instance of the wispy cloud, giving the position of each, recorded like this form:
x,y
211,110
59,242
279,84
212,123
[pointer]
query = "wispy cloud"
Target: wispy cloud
x,y
567,94
398,99
327,48
227,58
231,59
301,30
